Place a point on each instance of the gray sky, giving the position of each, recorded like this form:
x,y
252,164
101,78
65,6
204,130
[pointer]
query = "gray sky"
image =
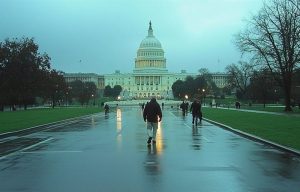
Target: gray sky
x,y
101,36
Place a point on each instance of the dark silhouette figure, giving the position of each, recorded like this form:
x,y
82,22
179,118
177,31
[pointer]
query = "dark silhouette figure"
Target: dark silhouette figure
x,y
196,111
237,105
106,108
162,105
152,115
186,107
183,108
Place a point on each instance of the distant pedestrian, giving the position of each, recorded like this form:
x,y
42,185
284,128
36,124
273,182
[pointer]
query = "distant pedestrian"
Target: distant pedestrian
x,y
196,111
152,115
237,105
182,107
162,105
186,108
106,108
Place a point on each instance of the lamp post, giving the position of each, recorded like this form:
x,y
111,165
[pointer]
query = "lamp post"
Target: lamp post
x,y
55,96
67,93
118,98
93,96
203,91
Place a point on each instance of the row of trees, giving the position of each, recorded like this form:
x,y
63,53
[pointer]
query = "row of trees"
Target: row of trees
x,y
260,85
197,87
26,74
112,92
83,92
272,40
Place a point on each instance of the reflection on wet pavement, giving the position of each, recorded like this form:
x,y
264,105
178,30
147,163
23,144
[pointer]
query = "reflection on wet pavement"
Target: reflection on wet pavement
x,y
196,138
152,164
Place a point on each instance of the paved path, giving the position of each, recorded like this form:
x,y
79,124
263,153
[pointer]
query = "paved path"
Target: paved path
x,y
109,153
264,112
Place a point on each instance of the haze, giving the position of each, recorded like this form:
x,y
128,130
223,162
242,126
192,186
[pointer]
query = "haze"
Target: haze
x,y
101,36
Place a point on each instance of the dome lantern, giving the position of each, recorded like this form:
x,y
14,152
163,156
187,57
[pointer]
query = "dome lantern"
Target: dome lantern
x,y
150,31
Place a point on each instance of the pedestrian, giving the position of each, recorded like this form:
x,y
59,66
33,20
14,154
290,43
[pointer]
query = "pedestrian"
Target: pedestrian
x,y
186,107
182,107
106,108
152,115
196,111
162,105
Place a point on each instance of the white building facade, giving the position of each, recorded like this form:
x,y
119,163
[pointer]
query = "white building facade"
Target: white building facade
x,y
150,76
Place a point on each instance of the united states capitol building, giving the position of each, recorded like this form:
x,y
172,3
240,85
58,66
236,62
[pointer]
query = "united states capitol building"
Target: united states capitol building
x,y
150,76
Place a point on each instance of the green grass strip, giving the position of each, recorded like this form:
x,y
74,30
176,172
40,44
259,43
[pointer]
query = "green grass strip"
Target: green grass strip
x,y
17,120
281,129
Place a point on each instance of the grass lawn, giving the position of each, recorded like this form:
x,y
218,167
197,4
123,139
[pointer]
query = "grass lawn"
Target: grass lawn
x,y
16,120
281,129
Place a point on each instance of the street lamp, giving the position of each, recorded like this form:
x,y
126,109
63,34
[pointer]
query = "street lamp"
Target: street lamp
x,y
93,96
67,93
186,97
118,98
203,91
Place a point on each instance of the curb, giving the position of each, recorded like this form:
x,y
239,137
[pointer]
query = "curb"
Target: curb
x,y
255,138
36,128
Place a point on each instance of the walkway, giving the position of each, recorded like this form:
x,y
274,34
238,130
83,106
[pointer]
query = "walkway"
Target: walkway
x,y
109,153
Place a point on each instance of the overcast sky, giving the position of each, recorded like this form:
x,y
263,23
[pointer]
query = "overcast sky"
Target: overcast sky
x,y
101,36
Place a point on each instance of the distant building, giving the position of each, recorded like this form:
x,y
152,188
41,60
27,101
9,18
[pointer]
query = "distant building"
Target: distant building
x,y
150,76
86,77
220,79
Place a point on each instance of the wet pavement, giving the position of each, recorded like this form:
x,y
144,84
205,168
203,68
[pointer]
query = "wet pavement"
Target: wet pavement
x,y
109,153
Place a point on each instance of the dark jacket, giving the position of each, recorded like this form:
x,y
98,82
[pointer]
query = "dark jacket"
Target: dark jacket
x,y
196,108
152,111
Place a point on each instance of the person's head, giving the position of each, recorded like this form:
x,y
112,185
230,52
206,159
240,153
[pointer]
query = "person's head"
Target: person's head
x,y
153,99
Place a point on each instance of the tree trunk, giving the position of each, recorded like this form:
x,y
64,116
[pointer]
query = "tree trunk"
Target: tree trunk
x,y
287,98
53,101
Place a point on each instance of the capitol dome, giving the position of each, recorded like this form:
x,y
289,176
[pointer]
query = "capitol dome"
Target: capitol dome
x,y
150,54
150,42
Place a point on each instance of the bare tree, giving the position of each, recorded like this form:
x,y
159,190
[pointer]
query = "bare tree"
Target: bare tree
x,y
239,75
273,37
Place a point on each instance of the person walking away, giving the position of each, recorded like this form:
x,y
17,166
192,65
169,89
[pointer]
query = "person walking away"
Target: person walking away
x,y
196,111
152,115
186,107
106,108
182,107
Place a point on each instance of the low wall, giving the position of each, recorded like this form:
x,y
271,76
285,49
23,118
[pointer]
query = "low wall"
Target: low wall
x,y
138,102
